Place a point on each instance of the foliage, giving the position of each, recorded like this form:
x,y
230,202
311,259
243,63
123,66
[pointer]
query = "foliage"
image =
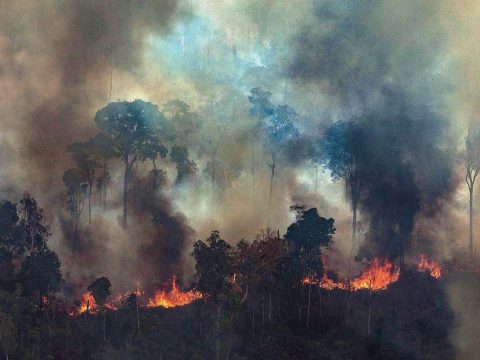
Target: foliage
x,y
100,290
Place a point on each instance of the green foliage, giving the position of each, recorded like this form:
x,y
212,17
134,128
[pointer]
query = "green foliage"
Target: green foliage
x,y
214,264
129,127
40,274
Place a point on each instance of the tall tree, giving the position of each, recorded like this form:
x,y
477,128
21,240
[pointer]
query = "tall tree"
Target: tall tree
x,y
40,274
307,236
100,290
76,191
89,163
32,222
129,127
472,167
185,122
278,124
186,168
214,271
339,151
153,151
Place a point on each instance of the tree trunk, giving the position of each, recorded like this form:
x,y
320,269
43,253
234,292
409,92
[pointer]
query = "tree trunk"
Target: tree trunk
x,y
138,315
354,219
270,305
316,179
104,327
218,332
272,175
104,197
253,170
4,346
308,303
253,317
369,318
213,181
76,229
155,177
470,233
89,202
125,193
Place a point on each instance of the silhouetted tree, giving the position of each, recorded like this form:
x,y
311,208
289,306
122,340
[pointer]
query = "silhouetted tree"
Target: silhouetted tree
x,y
40,274
214,264
100,290
152,151
186,168
472,167
278,124
88,158
338,152
307,236
77,189
185,122
128,125
35,231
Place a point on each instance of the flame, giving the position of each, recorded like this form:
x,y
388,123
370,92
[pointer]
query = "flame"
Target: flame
x,y
86,304
431,266
173,297
378,276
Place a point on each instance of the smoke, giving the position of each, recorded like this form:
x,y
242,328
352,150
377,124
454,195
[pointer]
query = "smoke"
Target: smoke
x,y
384,79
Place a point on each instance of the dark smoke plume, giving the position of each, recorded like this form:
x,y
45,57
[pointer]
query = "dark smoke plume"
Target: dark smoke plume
x,y
403,163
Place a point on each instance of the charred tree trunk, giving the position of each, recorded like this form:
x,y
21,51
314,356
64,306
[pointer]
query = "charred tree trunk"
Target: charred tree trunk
x,y
125,193
213,180
104,327
90,202
104,198
218,332
155,177
308,303
4,346
270,305
272,175
470,230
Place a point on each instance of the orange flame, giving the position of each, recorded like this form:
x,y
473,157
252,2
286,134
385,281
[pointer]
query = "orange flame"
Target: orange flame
x,y
377,277
430,266
87,304
174,297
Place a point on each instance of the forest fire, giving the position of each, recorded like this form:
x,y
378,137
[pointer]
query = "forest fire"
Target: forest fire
x,y
87,304
162,298
430,266
378,276
174,297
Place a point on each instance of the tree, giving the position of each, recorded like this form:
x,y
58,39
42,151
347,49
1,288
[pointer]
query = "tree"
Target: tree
x,y
307,236
12,243
186,168
76,192
472,167
214,263
88,161
35,232
128,125
339,153
152,151
100,290
185,122
40,274
278,124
